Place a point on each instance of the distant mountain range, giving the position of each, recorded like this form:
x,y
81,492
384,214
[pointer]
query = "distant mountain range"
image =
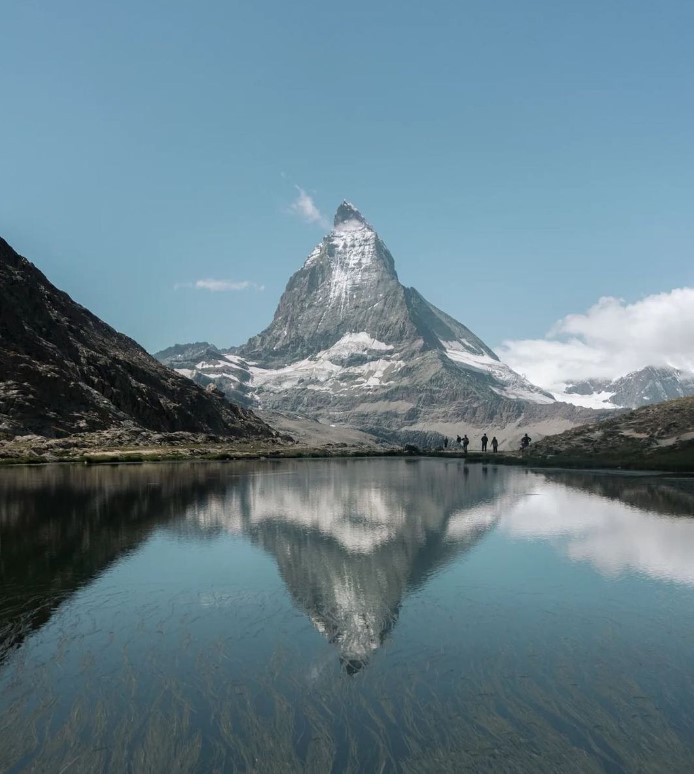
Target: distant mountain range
x,y
350,345
638,388
64,371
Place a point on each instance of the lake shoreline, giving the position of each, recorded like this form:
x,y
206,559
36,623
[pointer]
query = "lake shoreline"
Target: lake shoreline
x,y
12,454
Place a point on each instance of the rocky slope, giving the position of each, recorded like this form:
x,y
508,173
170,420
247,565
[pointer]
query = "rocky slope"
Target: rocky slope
x,y
638,388
659,436
207,365
64,371
350,345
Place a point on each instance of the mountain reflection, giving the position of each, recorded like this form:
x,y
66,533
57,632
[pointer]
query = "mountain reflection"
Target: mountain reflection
x,y
61,526
351,538
673,496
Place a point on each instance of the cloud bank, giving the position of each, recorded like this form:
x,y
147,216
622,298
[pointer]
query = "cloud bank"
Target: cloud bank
x,y
306,209
610,340
219,285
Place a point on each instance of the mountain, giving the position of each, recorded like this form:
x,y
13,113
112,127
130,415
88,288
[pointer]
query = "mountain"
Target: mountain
x,y
350,345
63,371
639,388
655,437
206,365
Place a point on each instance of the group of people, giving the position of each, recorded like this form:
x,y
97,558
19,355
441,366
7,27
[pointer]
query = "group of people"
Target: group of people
x,y
464,442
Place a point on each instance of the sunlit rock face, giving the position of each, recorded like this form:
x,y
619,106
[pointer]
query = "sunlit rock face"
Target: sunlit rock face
x,y
351,543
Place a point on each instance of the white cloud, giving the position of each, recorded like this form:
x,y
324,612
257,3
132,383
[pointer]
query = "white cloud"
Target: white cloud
x,y
306,209
219,285
609,340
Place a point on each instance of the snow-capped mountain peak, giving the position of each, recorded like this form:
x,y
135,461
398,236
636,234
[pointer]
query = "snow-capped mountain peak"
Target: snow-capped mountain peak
x,y
350,344
651,384
348,216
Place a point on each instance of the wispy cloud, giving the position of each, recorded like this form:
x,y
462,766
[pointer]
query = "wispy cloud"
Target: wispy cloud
x,y
306,209
609,340
219,285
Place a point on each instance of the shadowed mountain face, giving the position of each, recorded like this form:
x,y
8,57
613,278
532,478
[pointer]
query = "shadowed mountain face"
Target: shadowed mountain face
x,y
62,371
349,344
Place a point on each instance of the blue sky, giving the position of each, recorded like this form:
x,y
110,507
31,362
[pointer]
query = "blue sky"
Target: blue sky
x,y
521,159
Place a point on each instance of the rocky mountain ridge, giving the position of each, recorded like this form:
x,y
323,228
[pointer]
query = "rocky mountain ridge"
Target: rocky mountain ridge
x,y
65,371
652,384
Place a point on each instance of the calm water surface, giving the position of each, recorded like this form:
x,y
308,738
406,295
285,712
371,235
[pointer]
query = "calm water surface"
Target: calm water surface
x,y
347,615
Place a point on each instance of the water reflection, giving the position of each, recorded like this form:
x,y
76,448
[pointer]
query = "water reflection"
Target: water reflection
x,y
585,516
62,526
671,496
351,539
512,659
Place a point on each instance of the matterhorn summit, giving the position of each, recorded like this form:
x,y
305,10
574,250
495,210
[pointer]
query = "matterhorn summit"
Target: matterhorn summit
x,y
350,345
348,217
347,285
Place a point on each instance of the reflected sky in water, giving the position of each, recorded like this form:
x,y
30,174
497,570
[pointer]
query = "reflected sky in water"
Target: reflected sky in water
x,y
618,534
409,614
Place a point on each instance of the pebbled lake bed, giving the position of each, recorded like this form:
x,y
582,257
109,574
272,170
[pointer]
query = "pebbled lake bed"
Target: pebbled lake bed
x,y
406,615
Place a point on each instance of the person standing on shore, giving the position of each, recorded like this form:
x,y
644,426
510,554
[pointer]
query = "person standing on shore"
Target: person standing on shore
x,y
466,441
495,444
484,442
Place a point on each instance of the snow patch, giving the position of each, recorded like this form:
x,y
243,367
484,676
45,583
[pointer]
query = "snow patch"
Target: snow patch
x,y
355,344
598,400
353,224
319,372
513,385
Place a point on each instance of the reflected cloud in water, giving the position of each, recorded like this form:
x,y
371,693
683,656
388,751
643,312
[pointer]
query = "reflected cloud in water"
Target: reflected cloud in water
x,y
611,522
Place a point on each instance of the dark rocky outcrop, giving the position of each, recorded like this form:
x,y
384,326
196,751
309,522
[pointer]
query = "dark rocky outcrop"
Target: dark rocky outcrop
x,y
63,371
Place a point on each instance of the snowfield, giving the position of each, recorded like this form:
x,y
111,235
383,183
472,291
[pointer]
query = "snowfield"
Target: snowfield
x,y
514,385
598,400
320,372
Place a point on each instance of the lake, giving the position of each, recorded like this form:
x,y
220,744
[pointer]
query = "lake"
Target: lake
x,y
415,615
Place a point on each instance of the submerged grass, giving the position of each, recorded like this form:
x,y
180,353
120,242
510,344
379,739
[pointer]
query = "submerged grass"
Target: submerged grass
x,y
488,717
